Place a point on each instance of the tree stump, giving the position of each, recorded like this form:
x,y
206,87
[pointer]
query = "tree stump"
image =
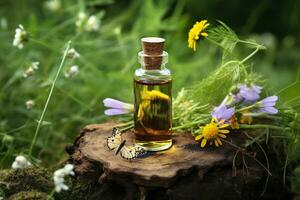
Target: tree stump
x,y
185,171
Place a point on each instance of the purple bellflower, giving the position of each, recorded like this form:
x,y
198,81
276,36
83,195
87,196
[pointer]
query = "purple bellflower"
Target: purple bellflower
x,y
267,105
117,107
222,113
248,93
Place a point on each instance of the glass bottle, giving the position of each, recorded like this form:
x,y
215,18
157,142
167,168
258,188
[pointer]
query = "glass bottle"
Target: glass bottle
x,y
153,97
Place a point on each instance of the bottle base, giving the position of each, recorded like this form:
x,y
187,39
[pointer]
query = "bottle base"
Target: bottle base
x,y
155,145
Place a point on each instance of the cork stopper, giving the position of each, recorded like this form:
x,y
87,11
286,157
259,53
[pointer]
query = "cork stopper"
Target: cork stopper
x,y
153,48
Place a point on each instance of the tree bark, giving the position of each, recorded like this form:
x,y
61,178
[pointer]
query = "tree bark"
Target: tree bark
x,y
185,171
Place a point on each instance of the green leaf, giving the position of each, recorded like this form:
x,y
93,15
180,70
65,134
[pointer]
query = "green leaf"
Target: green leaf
x,y
225,37
216,86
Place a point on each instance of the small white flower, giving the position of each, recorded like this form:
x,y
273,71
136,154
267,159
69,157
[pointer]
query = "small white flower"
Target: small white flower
x,y
35,65
92,24
81,19
20,163
3,25
72,53
30,70
68,169
59,175
87,23
1,198
72,72
53,5
21,36
29,104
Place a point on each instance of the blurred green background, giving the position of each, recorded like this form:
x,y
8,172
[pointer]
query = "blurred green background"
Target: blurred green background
x,y
108,58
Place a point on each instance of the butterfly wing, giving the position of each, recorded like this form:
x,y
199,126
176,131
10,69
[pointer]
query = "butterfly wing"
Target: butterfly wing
x,y
127,152
115,139
130,152
139,150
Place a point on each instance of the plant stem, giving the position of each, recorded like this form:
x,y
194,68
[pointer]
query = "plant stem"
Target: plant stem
x,y
266,116
187,125
285,168
44,44
127,128
124,124
263,126
48,99
252,43
50,196
247,154
246,108
250,55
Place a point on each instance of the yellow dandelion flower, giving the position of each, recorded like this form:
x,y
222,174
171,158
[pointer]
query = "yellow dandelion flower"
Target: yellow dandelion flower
x,y
197,32
212,133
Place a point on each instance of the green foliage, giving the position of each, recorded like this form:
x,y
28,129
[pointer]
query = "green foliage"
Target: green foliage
x,y
192,107
212,89
107,60
2,194
217,85
290,118
225,37
296,182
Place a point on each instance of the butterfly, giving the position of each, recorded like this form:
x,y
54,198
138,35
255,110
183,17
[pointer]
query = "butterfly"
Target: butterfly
x,y
128,152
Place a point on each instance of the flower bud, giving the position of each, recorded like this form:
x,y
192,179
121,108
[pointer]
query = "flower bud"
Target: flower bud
x,y
7,140
234,89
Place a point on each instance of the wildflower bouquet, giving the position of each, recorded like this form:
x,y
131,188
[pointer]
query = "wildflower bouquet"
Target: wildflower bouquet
x,y
231,98
235,110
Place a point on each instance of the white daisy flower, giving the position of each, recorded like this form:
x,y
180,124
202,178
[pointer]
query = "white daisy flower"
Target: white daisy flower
x,y
72,53
92,24
72,72
59,176
21,37
20,163
53,5
30,104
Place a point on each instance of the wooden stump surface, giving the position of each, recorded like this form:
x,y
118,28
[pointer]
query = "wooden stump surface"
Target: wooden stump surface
x,y
93,159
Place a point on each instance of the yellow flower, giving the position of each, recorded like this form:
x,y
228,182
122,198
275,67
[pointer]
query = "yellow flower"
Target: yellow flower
x,y
196,32
234,122
153,94
147,97
212,132
246,118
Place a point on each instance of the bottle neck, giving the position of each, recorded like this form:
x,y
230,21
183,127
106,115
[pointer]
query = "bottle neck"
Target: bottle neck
x,y
153,62
161,67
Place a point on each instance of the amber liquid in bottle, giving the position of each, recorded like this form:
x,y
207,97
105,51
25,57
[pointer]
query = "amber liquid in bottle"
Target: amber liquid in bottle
x,y
153,97
153,116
